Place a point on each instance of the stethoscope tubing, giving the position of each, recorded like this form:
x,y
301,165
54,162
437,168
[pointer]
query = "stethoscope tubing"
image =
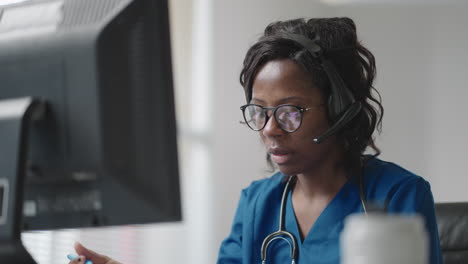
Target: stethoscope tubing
x,y
281,233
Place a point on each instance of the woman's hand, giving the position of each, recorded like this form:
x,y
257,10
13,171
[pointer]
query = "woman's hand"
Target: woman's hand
x,y
87,254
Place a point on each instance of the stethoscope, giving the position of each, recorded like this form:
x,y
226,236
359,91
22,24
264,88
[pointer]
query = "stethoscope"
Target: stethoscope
x,y
287,236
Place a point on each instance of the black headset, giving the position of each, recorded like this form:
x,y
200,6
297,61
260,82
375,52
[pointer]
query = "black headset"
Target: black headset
x,y
342,106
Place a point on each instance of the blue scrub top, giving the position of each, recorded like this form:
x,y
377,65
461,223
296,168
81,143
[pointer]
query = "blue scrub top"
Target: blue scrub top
x,y
257,215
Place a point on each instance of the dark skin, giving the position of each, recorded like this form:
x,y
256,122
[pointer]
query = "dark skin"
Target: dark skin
x,y
87,254
317,166
319,175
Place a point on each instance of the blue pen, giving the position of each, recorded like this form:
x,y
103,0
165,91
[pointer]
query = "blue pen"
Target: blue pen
x,y
73,256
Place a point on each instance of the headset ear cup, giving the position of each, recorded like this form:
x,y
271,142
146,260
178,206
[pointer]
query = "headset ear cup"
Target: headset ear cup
x,y
343,120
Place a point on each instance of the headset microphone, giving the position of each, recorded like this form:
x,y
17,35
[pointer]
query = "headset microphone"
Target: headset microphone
x,y
342,106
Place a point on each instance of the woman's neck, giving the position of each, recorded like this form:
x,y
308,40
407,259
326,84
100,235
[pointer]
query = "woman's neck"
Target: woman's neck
x,y
325,181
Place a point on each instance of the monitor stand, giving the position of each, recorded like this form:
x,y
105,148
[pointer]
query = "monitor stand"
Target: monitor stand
x,y
16,117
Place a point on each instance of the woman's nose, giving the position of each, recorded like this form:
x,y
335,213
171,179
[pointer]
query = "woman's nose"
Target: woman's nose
x,y
272,128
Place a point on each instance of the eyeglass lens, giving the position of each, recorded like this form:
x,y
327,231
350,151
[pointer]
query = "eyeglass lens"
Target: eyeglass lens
x,y
288,117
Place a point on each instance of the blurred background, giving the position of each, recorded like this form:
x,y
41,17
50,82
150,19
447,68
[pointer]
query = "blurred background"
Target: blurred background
x,y
421,54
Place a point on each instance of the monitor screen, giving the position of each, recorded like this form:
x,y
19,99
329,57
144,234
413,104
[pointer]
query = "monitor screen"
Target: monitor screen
x,y
104,151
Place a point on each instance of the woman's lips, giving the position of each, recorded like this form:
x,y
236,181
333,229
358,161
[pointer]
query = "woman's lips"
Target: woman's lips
x,y
280,156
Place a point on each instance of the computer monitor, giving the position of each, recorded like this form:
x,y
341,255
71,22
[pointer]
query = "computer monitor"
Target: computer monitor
x,y
87,119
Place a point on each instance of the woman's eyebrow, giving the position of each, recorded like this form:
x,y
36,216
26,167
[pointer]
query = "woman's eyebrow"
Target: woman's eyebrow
x,y
280,101
291,98
257,100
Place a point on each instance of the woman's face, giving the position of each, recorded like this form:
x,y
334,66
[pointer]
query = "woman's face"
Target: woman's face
x,y
284,82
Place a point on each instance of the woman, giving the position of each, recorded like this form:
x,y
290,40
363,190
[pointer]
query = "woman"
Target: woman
x,y
316,128
308,87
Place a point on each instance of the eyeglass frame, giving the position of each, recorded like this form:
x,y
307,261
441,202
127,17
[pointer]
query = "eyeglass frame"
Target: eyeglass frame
x,y
302,110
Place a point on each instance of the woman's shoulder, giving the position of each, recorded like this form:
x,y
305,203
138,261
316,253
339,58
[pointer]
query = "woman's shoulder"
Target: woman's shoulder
x,y
384,178
379,170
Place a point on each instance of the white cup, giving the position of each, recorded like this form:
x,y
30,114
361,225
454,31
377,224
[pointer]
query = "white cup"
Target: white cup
x,y
379,238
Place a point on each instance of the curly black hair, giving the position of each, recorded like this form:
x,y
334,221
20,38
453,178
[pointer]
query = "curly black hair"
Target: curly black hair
x,y
356,65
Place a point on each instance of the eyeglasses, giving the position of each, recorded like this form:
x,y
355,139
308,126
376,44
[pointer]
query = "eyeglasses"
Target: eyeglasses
x,y
288,117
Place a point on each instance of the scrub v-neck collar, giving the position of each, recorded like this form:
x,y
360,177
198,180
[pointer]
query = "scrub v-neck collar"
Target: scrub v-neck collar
x,y
339,207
